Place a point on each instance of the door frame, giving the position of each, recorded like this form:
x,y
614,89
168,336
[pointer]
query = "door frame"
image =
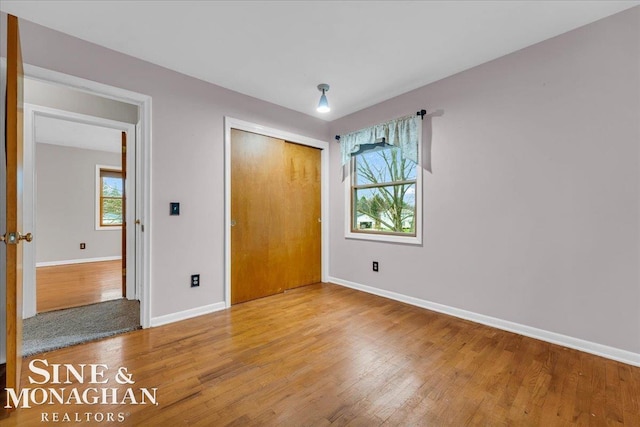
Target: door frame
x,y
142,131
31,112
231,123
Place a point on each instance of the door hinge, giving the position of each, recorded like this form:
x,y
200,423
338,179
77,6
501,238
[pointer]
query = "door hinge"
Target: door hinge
x,y
124,149
124,271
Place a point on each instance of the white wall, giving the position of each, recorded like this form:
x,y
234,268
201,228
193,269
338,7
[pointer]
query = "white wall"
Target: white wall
x,y
531,214
187,162
66,205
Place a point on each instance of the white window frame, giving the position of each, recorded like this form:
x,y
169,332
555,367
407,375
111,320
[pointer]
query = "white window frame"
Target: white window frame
x,y
378,236
97,198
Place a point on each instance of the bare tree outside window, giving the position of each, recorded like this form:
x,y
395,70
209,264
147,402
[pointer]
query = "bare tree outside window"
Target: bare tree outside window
x,y
383,193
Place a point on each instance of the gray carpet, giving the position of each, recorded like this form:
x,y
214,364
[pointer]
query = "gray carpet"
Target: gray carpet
x,y
62,328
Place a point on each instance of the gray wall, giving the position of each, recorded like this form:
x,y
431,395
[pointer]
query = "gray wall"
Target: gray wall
x,y
187,157
65,205
62,98
532,210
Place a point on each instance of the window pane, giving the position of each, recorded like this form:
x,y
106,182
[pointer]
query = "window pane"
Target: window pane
x,y
111,187
111,211
389,208
383,166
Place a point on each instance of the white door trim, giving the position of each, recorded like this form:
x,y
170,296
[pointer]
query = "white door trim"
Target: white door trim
x,y
231,123
142,155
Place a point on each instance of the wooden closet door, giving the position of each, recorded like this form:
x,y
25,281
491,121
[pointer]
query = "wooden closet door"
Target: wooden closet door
x,y
303,231
275,207
258,252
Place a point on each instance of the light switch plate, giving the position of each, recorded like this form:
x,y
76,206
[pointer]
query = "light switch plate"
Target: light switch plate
x,y
175,208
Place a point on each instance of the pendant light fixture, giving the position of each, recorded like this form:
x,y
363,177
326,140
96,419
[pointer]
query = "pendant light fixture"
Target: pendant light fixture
x,y
323,105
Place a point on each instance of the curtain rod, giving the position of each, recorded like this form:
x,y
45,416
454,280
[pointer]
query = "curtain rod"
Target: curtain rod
x,y
420,113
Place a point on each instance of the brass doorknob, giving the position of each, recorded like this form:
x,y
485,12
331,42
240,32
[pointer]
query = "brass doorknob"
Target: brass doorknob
x,y
14,238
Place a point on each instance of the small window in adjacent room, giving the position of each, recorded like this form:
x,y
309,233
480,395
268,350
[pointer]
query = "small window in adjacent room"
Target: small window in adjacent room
x,y
383,193
109,197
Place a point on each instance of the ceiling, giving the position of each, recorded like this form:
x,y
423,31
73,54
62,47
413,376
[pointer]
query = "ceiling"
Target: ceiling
x,y
78,135
279,51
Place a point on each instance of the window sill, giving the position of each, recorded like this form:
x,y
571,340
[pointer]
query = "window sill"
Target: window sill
x,y
112,228
385,238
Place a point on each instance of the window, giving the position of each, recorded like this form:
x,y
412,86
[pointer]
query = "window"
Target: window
x,y
109,197
384,196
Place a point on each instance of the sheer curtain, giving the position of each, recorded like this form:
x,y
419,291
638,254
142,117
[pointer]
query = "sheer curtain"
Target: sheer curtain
x,y
401,132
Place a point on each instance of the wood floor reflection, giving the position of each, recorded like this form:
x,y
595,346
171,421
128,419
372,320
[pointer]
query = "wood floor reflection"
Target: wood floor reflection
x,y
73,285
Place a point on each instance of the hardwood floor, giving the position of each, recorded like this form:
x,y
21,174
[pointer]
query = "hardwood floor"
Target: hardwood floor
x,y
327,355
73,285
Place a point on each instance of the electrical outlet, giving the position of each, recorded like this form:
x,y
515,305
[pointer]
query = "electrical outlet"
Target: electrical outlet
x,y
195,280
83,245
375,266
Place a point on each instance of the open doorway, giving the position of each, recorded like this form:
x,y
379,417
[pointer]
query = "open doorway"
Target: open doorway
x,y
75,168
79,213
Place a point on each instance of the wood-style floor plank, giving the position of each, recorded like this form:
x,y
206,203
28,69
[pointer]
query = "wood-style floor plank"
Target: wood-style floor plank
x,y
73,285
324,355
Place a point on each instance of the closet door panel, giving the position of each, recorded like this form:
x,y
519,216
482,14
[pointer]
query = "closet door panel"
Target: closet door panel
x,y
303,231
258,250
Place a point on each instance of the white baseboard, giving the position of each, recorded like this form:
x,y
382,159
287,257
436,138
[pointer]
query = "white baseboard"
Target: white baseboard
x,y
77,261
613,353
187,314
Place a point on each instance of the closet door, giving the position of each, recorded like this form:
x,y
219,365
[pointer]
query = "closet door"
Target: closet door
x,y
258,253
303,230
275,207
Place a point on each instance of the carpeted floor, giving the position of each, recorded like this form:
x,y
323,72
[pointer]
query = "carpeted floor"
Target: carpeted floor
x,y
63,328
